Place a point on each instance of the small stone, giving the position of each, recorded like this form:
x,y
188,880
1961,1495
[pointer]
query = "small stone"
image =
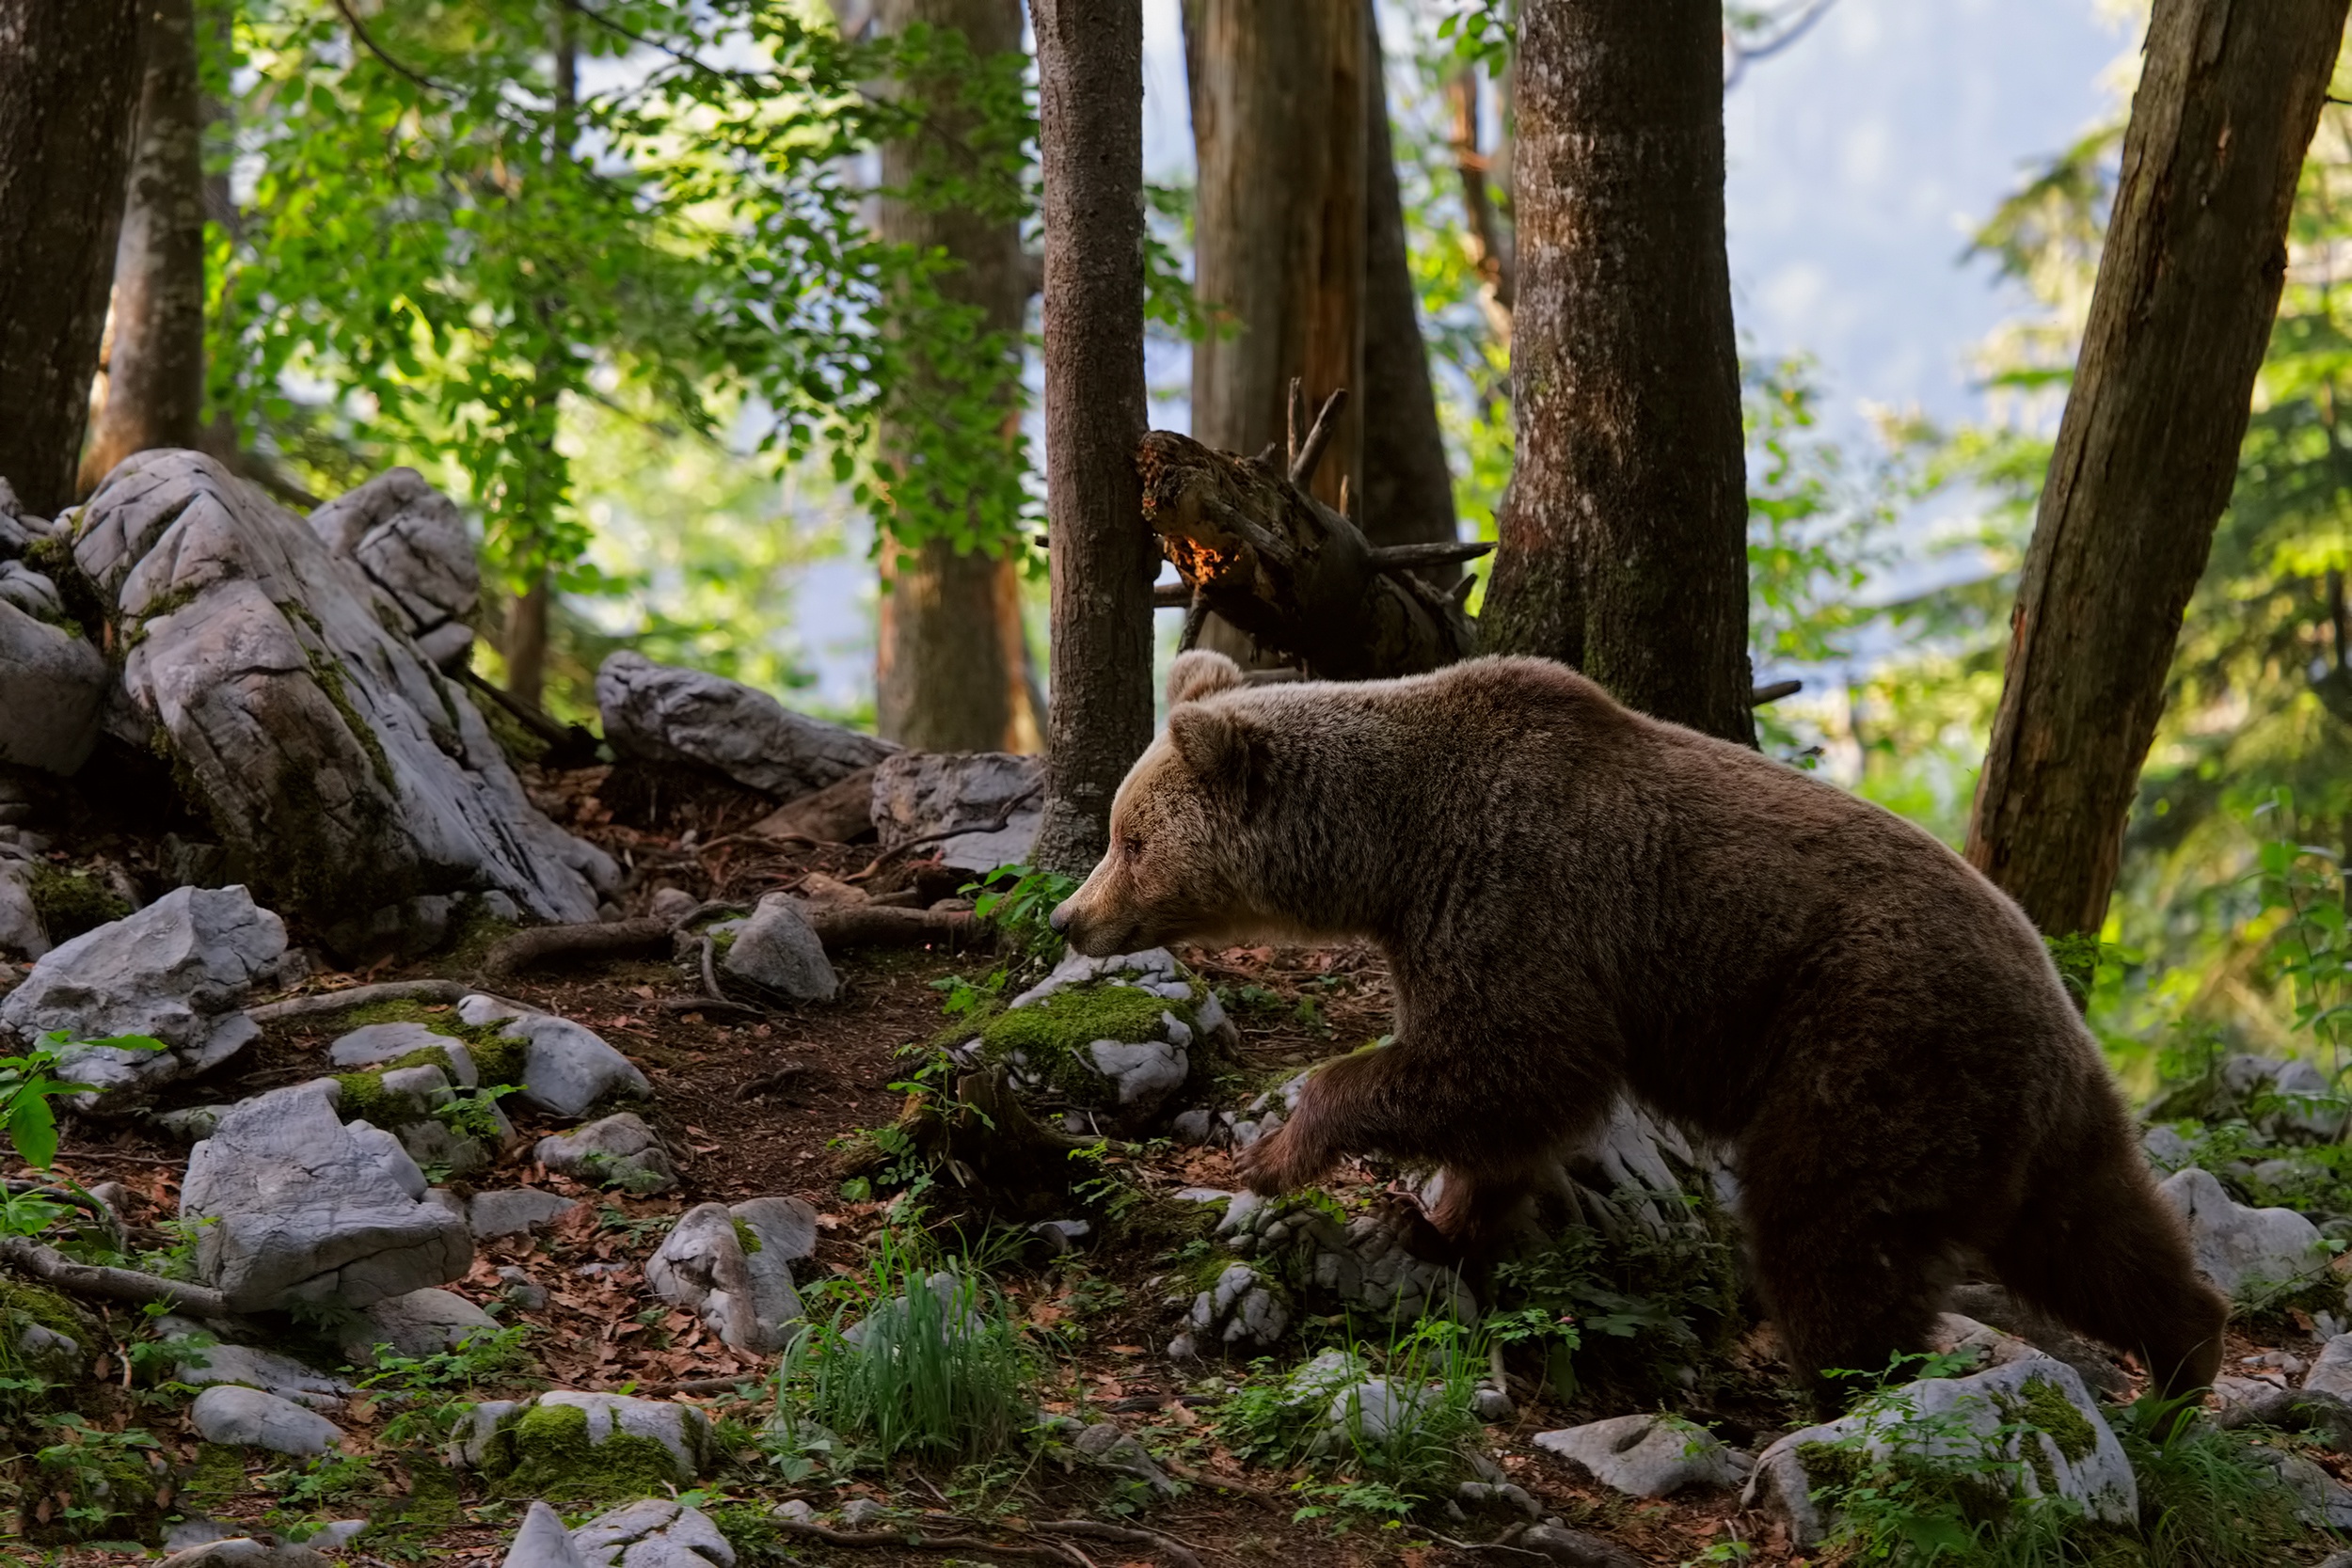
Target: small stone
x,y
543,1543
252,1367
777,950
521,1289
567,1069
1196,1126
743,1294
243,1551
620,1150
1106,1444
1493,1405
248,1417
1574,1547
384,1042
2331,1374
421,1323
796,1510
1645,1455
860,1512
514,1210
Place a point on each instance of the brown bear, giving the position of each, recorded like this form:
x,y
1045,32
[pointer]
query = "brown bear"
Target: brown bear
x,y
1576,900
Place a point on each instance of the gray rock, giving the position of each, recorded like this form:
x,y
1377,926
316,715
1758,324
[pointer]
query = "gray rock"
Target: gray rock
x,y
619,1151
422,1322
1146,1073
655,1533
989,804
1646,1455
190,1124
245,1551
521,1290
50,1353
179,971
2331,1372
1062,1236
306,1210
409,541
1575,1547
1152,966
52,684
1242,1310
544,1542
1962,1421
1107,1446
2321,1498
746,1295
862,1513
1374,1411
338,1533
20,931
371,1043
1493,1405
2300,1104
568,1067
663,714
253,1367
32,592
1987,1303
2241,1249
682,1429
227,1413
512,1211
778,951
336,759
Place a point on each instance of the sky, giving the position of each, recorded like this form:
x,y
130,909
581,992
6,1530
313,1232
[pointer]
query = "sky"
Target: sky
x,y
1859,160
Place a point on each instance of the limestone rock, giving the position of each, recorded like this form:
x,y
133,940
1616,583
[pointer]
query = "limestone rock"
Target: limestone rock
x,y
336,759
1106,1444
989,804
253,1367
743,1294
540,1440
1645,1455
409,541
246,1551
777,950
2331,1372
373,1043
20,931
306,1210
543,1543
620,1150
655,1533
1242,1309
2242,1249
179,971
567,1067
421,1323
2042,1420
53,682
512,1211
227,1413
2286,1099
664,713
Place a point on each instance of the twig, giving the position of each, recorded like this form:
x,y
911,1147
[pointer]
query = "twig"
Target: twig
x,y
592,939
1774,691
1195,617
90,1279
557,735
1175,1550
359,996
1201,1478
1310,452
359,31
1485,1547
712,1004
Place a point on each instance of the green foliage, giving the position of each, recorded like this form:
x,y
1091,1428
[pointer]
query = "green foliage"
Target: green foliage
x,y
2206,1498
1635,1309
930,1364
1052,1035
546,1451
433,1391
99,1486
474,1112
1021,911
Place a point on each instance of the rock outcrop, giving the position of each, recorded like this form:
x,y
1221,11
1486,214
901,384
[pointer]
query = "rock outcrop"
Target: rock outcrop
x,y
660,713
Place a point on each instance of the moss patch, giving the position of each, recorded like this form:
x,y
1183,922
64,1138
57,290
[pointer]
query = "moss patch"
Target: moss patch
x,y
545,1452
108,1495
71,902
362,1096
497,1058
746,1237
19,1300
217,1477
2043,1405
1052,1035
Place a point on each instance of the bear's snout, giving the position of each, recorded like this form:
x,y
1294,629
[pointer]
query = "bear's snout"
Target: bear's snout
x,y
1059,919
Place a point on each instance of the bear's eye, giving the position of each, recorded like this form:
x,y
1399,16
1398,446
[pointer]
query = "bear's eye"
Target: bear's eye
x,y
1134,843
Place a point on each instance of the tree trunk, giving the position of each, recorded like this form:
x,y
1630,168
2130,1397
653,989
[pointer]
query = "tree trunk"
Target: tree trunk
x,y
1408,492
1624,537
950,662
525,644
156,367
70,78
2147,447
1279,90
1090,66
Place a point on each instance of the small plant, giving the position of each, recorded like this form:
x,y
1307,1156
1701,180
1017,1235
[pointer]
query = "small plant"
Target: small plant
x,y
930,1365
1022,909
474,1112
2207,1499
438,1389
92,1483
26,1088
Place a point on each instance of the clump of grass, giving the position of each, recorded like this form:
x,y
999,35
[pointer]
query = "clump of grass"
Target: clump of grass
x,y
2206,1498
915,1360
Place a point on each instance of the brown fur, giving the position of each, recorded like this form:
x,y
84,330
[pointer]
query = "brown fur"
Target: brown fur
x,y
1577,899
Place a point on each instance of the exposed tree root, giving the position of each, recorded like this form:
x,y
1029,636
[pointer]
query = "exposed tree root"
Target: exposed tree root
x,y
51,1267
358,996
593,939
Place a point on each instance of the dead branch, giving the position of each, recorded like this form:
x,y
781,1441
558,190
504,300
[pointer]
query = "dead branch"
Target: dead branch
x,y
1176,1551
1310,454
1443,552
52,1267
590,939
358,996
881,925
564,742
1774,691
1290,571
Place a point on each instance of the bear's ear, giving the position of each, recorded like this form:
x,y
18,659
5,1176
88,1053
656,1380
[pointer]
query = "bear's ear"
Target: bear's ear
x,y
1200,673
1217,746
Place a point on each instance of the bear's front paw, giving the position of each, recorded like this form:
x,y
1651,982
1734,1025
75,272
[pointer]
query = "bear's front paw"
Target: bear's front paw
x,y
1269,1168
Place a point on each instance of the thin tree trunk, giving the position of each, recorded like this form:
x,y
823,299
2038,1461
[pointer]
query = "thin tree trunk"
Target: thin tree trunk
x,y
525,644
1624,546
1279,89
2147,447
70,78
1408,492
950,670
1090,66
155,365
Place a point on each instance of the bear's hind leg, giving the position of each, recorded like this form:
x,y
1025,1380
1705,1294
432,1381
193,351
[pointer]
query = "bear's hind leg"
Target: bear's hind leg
x,y
1848,1292
2098,1249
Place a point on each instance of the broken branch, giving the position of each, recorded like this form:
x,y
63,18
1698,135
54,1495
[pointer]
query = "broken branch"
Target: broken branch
x,y
52,1267
1310,452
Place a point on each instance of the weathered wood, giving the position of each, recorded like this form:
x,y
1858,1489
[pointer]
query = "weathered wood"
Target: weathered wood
x,y
2147,447
1288,570
1624,538
1090,66
52,1267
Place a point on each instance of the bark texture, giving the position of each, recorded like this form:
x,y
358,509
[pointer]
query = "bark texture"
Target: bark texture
x,y
1090,56
69,80
2147,447
1623,541
951,661
155,360
1407,490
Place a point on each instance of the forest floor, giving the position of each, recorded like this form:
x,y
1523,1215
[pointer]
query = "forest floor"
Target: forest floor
x,y
754,1107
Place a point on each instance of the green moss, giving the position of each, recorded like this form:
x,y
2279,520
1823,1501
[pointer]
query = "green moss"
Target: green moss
x,y
362,1096
2043,1405
329,677
112,1494
52,557
71,902
746,1237
217,1477
19,1300
545,1452
473,933
1052,1035
497,1058
435,1504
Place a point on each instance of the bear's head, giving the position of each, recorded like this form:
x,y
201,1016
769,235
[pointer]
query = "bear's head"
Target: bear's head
x,y
1180,866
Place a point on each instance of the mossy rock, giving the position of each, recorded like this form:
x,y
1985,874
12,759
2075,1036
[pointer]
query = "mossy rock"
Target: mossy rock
x,y
71,902
545,1451
1051,1037
362,1096
2043,1405
497,1058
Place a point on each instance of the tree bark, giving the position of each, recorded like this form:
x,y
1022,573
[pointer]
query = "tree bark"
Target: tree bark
x,y
1089,62
1624,537
952,660
2147,447
155,364
70,78
1407,490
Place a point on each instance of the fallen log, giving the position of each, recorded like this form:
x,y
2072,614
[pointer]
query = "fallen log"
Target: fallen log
x,y
52,1267
590,939
1260,552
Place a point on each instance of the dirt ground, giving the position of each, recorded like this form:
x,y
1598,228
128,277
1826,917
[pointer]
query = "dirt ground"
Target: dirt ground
x,y
755,1105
